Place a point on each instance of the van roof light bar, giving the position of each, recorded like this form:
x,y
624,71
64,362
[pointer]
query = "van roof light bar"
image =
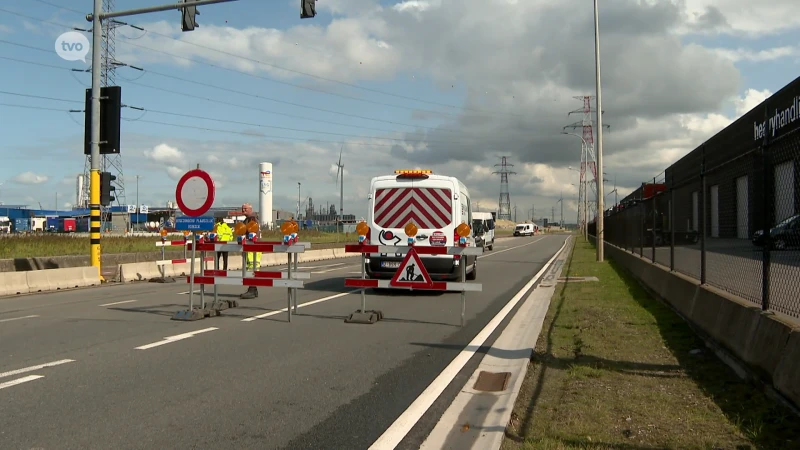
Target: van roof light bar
x,y
416,173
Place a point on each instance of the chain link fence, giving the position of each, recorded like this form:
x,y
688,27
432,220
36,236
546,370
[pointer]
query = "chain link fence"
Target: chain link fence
x,y
727,213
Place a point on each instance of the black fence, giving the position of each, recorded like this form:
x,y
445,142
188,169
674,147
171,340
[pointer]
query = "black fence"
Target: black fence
x,y
727,213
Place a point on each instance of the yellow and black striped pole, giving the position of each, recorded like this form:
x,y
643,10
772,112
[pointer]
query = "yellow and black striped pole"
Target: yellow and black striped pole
x,y
94,219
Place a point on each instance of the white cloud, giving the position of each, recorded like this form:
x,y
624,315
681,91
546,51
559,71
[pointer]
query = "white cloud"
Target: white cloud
x,y
771,54
743,17
31,178
5,29
163,153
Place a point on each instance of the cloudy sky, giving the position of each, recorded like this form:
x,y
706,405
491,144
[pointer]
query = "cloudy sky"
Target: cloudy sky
x,y
440,84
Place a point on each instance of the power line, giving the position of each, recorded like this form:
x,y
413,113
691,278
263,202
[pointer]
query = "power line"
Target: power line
x,y
309,88
248,94
378,91
171,91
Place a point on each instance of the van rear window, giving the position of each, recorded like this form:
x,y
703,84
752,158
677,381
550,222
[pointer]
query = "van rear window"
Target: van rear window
x,y
428,208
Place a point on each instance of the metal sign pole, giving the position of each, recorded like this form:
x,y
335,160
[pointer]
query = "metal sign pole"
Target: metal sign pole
x,y
191,272
289,299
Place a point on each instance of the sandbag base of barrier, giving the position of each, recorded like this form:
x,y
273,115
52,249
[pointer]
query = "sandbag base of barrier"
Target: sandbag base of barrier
x,y
162,280
366,317
227,304
194,314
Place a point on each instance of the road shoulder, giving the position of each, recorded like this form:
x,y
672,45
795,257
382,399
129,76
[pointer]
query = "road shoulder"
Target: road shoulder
x,y
478,416
616,368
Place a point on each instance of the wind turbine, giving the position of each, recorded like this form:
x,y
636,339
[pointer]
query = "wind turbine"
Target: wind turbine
x,y
340,180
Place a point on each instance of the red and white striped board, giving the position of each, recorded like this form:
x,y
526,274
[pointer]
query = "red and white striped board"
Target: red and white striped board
x,y
167,262
254,247
171,243
430,208
365,248
277,274
434,286
260,282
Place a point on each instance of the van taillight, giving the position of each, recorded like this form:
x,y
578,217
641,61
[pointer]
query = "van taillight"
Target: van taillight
x,y
455,240
369,233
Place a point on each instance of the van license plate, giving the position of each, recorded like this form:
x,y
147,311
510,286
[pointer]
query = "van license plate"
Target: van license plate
x,y
390,264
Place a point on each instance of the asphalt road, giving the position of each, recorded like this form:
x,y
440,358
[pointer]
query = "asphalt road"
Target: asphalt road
x,y
243,382
736,267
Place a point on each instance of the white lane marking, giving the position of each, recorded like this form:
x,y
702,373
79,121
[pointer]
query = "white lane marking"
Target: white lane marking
x,y
187,292
398,430
334,269
17,318
118,303
300,305
316,267
32,368
177,337
20,381
487,255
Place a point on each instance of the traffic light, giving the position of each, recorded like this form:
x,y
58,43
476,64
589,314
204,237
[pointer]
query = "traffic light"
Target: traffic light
x,y
106,189
308,9
188,13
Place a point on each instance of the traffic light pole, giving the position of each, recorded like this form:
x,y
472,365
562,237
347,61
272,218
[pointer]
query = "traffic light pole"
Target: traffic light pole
x,y
97,40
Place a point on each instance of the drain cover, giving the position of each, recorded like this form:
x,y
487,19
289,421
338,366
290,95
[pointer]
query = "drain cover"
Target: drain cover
x,y
492,381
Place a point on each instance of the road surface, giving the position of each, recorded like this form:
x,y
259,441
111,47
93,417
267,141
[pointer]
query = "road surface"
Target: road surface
x,y
91,368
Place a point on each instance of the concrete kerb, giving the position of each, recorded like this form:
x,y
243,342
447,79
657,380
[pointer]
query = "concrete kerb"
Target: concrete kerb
x,y
757,345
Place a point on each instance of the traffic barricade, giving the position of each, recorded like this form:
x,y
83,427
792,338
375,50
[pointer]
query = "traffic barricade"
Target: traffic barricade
x,y
163,244
411,273
246,243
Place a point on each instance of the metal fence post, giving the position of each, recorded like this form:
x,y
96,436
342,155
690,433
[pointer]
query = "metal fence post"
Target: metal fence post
x,y
768,194
672,225
703,216
654,209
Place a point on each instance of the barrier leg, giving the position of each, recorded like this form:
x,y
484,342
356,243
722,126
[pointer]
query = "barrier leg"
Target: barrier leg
x,y
216,291
289,294
191,314
162,270
294,290
202,286
463,293
362,315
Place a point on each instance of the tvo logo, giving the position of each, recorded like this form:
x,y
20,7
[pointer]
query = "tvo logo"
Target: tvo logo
x,y
72,46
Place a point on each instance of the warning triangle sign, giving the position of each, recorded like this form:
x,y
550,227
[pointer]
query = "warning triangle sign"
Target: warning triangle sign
x,y
411,273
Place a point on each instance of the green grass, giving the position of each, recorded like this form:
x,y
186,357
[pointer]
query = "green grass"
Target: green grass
x,y
62,245
613,370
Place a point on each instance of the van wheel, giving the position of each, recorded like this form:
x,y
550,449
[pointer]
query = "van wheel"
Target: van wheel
x,y
474,274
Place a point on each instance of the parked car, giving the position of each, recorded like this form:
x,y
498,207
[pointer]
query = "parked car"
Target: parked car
x,y
783,235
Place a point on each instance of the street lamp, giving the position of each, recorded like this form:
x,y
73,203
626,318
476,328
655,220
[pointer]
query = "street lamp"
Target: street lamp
x,y
600,232
298,201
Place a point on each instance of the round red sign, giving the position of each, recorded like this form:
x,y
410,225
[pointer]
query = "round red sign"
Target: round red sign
x,y
438,239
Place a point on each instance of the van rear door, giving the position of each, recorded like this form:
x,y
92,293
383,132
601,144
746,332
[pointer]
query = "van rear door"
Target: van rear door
x,y
426,203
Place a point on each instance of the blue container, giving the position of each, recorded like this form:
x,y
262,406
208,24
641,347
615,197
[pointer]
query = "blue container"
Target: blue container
x,y
21,225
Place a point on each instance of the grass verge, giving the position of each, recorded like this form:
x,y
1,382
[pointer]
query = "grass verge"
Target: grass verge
x,y
616,369
63,245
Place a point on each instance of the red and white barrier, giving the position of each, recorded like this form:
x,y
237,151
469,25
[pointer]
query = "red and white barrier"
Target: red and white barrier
x,y
180,243
234,281
167,262
434,285
250,247
366,248
258,274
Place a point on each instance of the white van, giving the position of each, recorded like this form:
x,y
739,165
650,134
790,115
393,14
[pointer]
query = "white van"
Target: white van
x,y
524,229
483,228
436,204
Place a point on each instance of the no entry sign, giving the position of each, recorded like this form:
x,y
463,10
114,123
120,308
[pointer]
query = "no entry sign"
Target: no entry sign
x,y
195,193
